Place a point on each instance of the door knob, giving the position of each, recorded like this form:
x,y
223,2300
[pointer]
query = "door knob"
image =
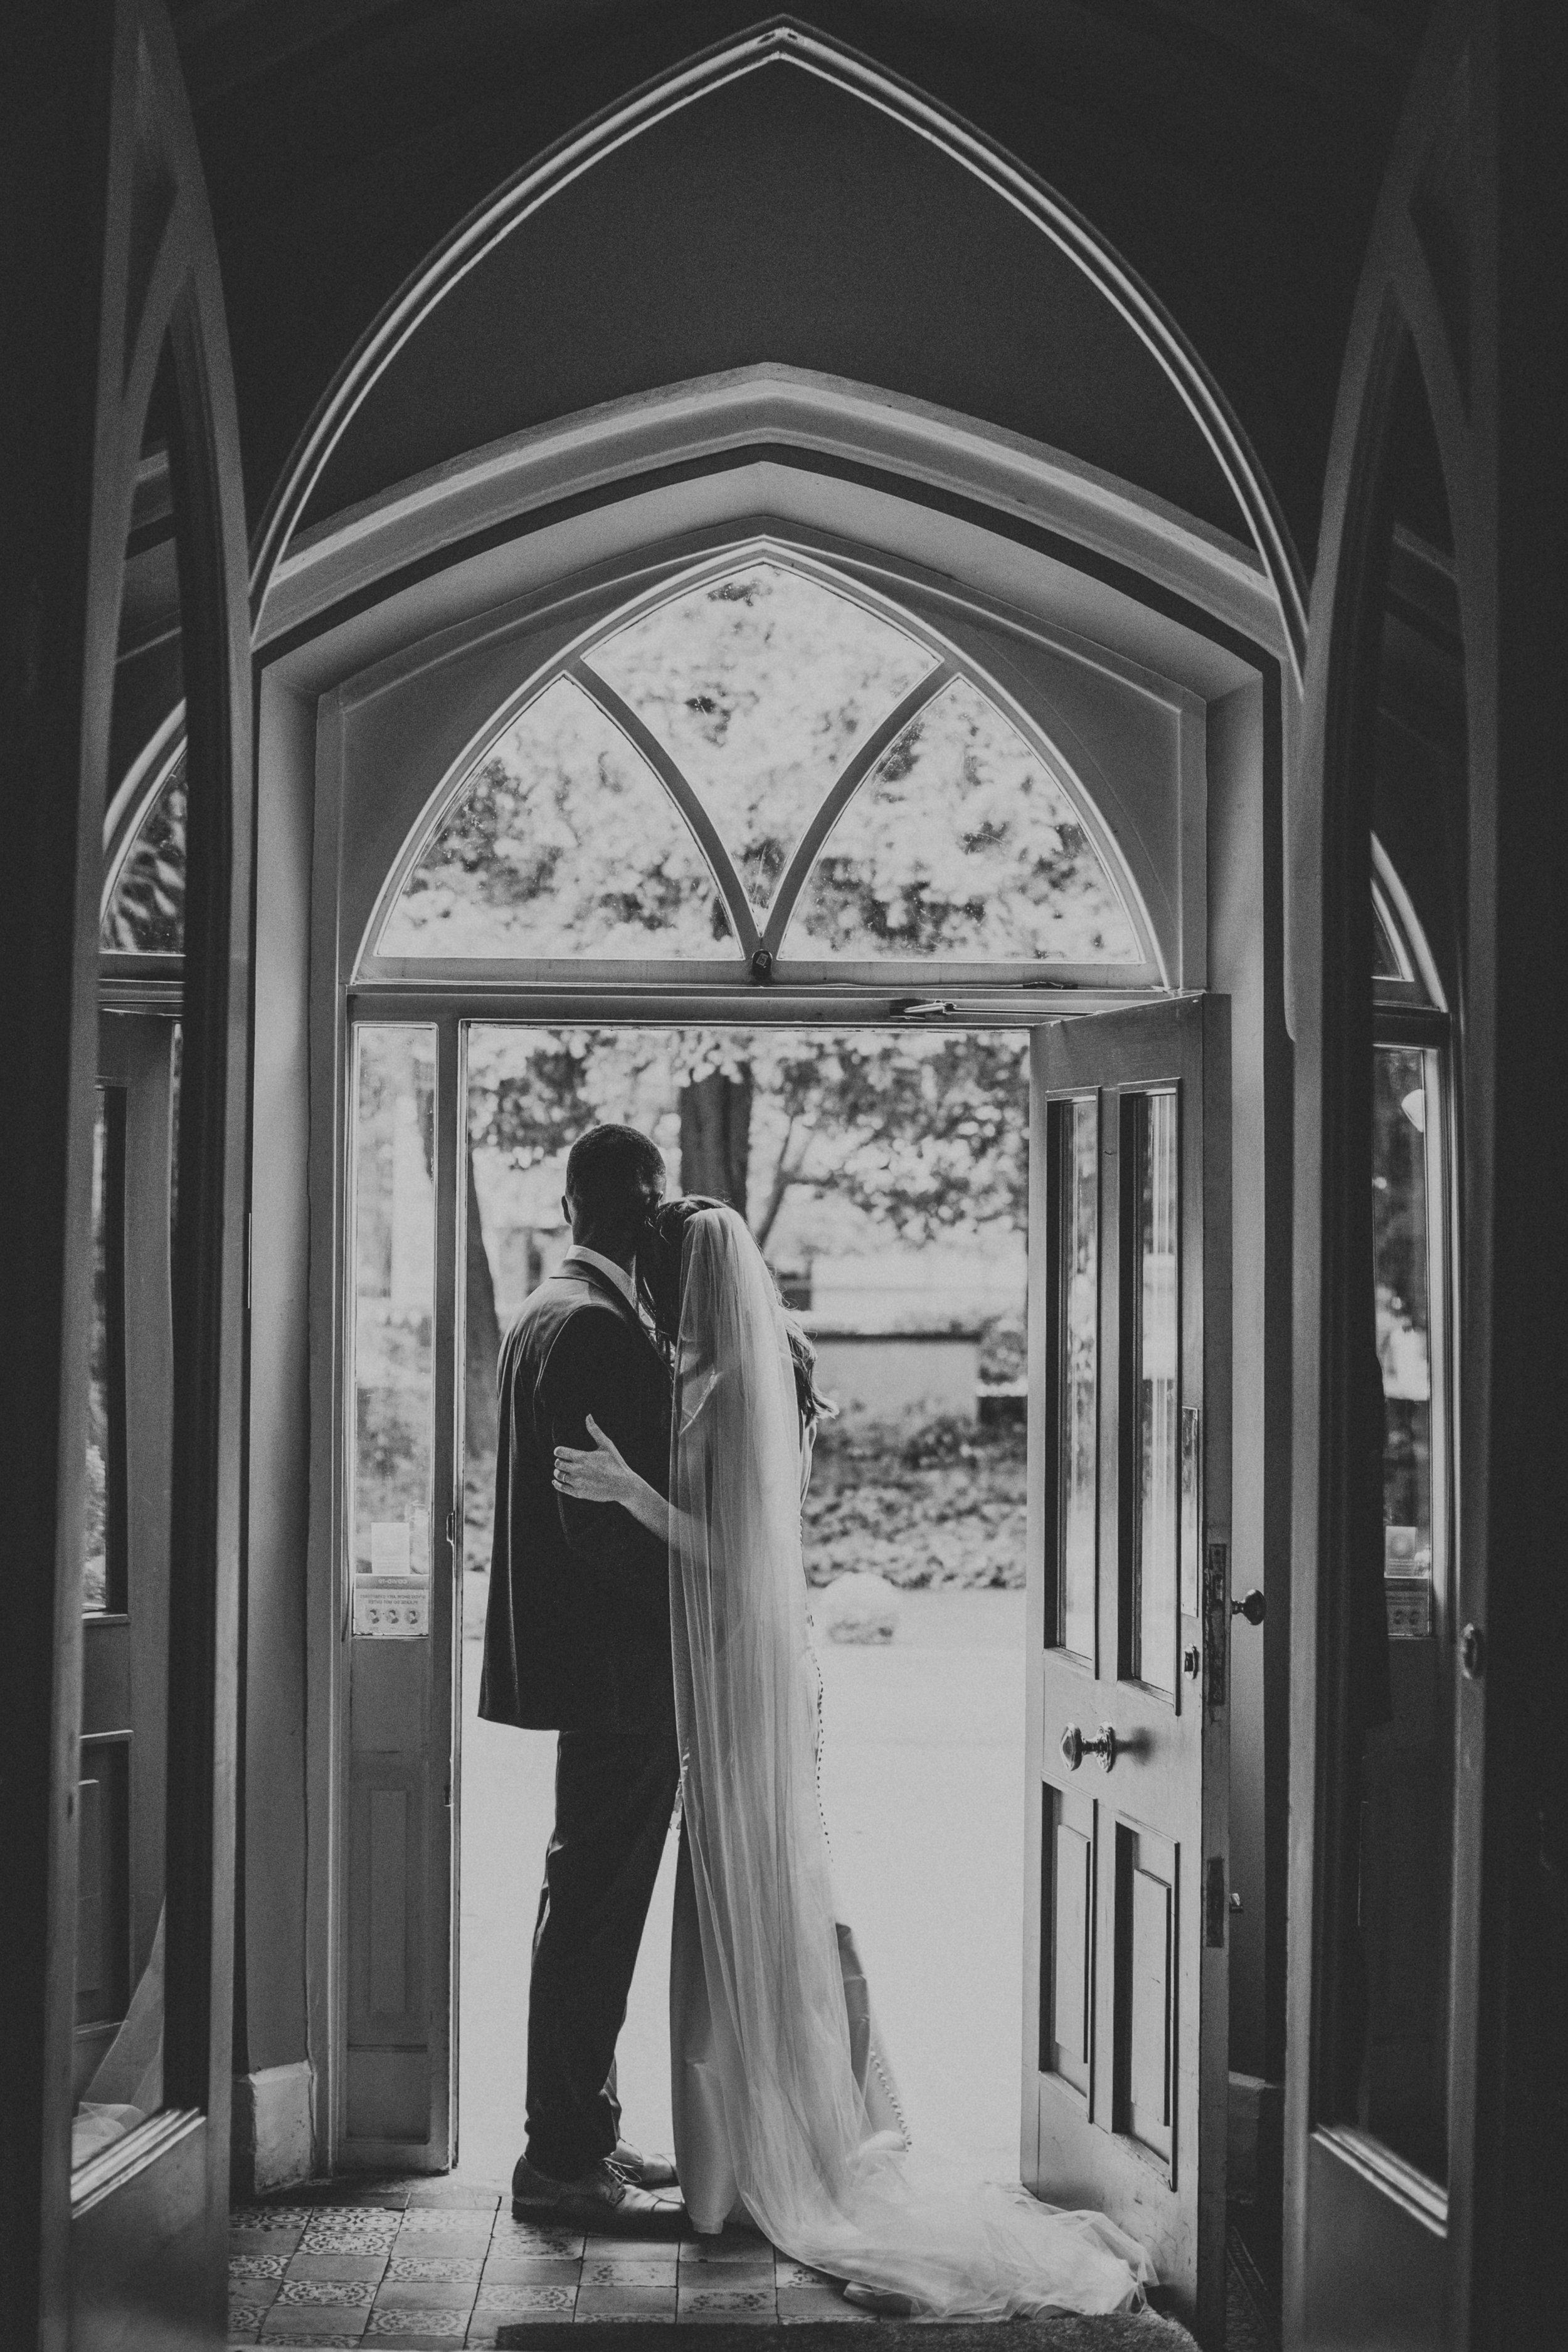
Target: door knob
x,y
1075,1746
1252,1606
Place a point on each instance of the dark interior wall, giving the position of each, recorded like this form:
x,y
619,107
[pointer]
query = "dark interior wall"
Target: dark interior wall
x,y
779,218
1232,157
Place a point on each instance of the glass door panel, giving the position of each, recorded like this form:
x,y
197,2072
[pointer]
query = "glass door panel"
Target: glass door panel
x,y
1073,1410
392,1433
1392,2084
122,1775
1154,1368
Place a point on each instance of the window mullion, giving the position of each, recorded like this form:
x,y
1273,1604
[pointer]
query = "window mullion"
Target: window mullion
x,y
880,740
709,839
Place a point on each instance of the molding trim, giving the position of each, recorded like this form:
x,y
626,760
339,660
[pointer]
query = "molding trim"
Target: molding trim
x,y
271,2132
708,419
785,42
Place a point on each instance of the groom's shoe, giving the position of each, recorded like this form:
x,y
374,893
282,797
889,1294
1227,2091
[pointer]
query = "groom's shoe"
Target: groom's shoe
x,y
602,2200
643,2171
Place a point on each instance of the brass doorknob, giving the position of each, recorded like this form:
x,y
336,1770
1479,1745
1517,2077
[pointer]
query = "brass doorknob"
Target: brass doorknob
x,y
1075,1746
1252,1606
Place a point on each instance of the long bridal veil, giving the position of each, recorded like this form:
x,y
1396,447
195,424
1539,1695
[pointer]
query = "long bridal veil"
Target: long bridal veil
x,y
813,2171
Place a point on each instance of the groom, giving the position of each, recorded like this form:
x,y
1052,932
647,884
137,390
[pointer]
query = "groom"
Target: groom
x,y
577,1642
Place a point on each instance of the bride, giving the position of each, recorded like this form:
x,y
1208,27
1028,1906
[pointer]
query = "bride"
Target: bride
x,y
783,2107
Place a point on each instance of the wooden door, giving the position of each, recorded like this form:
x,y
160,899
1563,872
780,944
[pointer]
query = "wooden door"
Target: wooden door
x,y
1445,468
117,1934
1125,1975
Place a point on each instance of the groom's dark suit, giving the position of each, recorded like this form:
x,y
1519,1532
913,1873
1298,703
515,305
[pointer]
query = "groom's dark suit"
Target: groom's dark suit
x,y
577,1641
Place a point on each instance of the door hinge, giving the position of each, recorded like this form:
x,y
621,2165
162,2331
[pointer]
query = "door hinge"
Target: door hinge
x,y
1214,1903
1216,1620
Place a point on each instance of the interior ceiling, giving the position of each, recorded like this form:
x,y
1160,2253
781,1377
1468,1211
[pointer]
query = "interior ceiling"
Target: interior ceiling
x,y
1230,150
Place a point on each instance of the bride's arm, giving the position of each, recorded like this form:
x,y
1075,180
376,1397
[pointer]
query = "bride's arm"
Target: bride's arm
x,y
605,1476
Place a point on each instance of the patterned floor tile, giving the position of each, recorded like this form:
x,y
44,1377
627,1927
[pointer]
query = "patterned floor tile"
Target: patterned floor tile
x,y
417,2327
446,2222
764,2317
647,2267
426,2294
312,2342
302,2325
488,2330
530,2270
367,2265
450,2267
802,2302
245,2317
257,2267
522,2302
738,2300
535,2238
626,2303
356,2292
356,2241
255,2293
271,2217
790,2273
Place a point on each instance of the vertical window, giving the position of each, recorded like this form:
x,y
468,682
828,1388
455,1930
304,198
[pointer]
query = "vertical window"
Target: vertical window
x,y
1155,1369
392,1384
1076,1144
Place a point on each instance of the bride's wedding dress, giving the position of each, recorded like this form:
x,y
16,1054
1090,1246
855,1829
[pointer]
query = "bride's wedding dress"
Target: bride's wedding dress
x,y
785,2107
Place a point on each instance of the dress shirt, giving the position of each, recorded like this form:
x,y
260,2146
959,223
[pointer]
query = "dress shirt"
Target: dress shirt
x,y
607,1267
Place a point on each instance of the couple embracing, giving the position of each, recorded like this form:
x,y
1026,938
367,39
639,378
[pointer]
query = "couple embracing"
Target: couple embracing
x,y
647,1602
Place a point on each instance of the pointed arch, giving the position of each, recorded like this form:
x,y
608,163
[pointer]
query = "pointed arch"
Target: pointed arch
x,y
784,41
716,857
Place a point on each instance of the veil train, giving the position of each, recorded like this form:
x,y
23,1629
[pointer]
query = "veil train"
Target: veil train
x,y
804,2133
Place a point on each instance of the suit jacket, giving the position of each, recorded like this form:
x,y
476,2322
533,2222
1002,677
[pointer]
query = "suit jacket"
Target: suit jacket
x,y
577,1631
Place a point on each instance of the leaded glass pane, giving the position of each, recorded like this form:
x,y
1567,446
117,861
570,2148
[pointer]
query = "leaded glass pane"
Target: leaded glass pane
x,y
1387,960
562,843
962,843
146,909
761,685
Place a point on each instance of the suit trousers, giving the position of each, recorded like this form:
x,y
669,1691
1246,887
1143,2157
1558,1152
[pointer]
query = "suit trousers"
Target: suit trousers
x,y
614,1798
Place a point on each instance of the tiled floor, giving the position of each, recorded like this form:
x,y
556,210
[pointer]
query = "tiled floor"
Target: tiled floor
x,y
442,2265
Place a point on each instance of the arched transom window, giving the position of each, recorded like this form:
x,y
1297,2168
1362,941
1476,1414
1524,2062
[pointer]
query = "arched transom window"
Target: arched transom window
x,y
759,766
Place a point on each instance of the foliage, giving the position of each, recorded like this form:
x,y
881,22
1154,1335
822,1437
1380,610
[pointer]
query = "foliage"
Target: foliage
x,y
926,1132
943,1504
761,685
146,912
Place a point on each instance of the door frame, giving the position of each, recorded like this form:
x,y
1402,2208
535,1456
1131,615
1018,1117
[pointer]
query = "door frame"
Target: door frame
x,y
450,1011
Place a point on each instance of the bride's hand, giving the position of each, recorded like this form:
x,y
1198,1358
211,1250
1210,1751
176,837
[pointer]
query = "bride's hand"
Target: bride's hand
x,y
601,1476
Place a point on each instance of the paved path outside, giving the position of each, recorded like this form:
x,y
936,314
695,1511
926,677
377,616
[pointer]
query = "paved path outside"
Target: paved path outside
x,y
923,1787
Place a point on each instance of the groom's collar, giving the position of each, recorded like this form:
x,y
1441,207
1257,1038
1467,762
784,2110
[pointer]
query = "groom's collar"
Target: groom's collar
x,y
578,1255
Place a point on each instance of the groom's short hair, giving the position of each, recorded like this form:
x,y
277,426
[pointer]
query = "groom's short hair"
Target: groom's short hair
x,y
613,1176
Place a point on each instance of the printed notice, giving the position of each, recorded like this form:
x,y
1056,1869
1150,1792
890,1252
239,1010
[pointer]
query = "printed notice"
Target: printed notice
x,y
390,1551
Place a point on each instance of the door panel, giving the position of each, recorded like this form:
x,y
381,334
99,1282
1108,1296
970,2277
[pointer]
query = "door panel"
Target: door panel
x,y
1125,2077
398,1617
1067,1978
